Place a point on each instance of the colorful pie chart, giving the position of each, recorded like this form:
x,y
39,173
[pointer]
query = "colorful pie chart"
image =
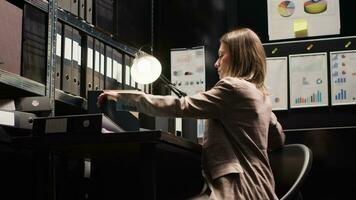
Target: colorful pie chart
x,y
286,8
315,6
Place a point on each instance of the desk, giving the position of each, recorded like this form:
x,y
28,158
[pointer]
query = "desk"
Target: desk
x,y
154,152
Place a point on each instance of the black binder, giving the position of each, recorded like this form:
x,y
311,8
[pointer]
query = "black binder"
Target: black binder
x,y
117,69
96,64
64,4
76,63
89,59
81,9
34,49
127,75
109,81
132,81
67,59
59,53
104,15
17,123
89,11
87,124
102,67
74,7
38,105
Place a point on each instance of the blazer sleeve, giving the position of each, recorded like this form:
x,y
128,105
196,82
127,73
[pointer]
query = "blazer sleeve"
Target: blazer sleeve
x,y
209,104
276,136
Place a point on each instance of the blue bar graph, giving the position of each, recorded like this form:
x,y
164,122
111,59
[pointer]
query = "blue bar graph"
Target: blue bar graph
x,y
341,95
340,80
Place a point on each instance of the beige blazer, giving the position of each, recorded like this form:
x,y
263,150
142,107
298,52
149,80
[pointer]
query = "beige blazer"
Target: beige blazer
x,y
239,131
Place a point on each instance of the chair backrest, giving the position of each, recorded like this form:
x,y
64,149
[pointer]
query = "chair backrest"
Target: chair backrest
x,y
290,165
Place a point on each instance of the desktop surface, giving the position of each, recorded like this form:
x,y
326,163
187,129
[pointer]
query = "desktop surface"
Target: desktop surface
x,y
143,164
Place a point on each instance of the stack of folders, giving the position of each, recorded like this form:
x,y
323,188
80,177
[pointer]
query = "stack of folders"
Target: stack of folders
x,y
103,66
97,67
17,115
86,124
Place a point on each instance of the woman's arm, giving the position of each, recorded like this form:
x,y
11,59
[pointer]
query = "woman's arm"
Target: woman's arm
x,y
276,136
209,104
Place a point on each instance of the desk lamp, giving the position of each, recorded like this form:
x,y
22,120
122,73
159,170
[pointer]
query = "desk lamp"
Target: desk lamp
x,y
146,69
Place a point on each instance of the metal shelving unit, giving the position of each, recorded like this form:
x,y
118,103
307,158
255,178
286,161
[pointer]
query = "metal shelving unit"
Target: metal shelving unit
x,y
85,27
31,87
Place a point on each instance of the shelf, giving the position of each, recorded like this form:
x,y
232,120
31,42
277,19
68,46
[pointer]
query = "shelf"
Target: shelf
x,y
15,85
21,83
41,4
85,27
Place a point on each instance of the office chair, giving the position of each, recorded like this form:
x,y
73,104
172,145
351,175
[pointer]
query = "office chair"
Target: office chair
x,y
290,165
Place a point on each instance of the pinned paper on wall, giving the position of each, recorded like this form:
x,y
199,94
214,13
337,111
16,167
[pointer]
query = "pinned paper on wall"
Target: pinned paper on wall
x,y
308,80
343,77
188,74
277,82
302,18
188,69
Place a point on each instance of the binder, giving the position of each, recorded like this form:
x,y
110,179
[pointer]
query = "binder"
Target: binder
x,y
76,63
117,69
96,64
38,105
109,81
102,67
58,66
74,7
67,60
64,4
118,113
89,58
34,49
81,6
10,37
132,81
86,124
17,123
104,15
127,71
89,11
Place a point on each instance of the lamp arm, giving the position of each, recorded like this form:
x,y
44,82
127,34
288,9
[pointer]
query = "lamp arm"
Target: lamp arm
x,y
172,87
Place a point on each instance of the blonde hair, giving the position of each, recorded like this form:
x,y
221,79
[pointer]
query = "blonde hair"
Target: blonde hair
x,y
248,58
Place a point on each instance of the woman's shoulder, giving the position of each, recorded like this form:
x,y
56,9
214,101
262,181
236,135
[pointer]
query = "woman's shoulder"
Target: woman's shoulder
x,y
233,81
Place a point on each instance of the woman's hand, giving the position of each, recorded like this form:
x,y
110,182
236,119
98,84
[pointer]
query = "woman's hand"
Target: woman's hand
x,y
107,94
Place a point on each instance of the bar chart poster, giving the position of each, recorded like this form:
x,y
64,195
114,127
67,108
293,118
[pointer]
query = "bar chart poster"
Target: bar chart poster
x,y
343,77
308,80
277,82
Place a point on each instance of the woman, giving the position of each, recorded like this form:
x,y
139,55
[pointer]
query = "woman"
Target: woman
x,y
240,125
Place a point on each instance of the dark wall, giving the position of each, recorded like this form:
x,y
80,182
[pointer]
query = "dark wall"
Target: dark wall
x,y
133,18
189,23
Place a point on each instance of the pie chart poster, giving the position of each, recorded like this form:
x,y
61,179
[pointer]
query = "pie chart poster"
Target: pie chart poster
x,y
321,17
